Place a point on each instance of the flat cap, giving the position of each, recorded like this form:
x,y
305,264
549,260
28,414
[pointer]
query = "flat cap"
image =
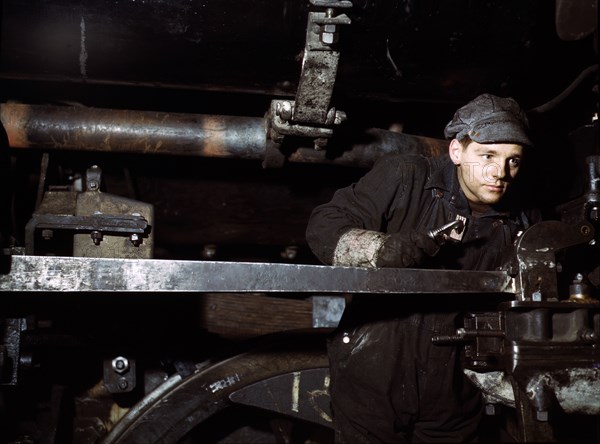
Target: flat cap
x,y
490,119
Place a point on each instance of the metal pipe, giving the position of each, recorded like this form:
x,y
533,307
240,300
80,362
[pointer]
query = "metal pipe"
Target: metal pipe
x,y
124,131
49,127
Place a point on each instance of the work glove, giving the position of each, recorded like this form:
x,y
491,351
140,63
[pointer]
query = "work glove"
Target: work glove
x,y
404,250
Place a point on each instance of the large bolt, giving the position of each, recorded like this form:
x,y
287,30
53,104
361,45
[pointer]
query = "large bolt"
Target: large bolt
x,y
284,110
120,365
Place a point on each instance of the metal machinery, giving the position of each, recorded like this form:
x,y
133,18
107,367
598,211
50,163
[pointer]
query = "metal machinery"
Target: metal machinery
x,y
159,162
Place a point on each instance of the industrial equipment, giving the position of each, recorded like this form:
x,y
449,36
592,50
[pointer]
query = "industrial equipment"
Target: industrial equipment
x,y
159,162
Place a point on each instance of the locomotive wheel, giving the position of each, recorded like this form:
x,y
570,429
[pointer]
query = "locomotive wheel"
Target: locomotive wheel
x,y
179,405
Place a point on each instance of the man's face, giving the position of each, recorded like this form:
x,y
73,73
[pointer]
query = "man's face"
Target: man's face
x,y
485,171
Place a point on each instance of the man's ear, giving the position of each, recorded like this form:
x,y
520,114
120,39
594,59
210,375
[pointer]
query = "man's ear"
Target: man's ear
x,y
455,150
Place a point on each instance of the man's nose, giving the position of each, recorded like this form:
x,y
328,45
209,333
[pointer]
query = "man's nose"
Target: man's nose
x,y
501,170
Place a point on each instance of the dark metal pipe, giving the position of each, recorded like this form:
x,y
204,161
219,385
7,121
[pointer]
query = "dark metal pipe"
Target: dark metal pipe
x,y
147,132
125,131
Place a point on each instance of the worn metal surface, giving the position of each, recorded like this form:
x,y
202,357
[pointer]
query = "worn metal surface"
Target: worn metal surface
x,y
577,390
536,249
299,394
144,132
180,404
40,273
100,225
319,67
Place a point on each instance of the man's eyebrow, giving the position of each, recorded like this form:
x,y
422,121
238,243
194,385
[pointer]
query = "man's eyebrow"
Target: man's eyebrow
x,y
487,150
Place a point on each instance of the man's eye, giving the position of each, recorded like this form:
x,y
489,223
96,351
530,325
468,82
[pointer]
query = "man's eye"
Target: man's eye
x,y
515,162
487,156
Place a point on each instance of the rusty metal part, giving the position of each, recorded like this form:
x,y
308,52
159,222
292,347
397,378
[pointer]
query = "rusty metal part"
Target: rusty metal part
x,y
144,132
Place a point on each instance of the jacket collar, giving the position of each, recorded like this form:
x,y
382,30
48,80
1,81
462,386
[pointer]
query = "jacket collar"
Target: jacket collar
x,y
443,176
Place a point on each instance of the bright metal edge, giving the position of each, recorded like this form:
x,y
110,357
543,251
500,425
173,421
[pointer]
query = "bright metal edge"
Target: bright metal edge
x,y
76,274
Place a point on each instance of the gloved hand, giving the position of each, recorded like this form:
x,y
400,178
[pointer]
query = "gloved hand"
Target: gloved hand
x,y
403,250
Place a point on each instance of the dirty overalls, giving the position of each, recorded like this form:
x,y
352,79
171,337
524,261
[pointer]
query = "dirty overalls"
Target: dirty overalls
x,y
389,383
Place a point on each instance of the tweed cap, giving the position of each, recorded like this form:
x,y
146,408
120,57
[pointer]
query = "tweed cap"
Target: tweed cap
x,y
490,119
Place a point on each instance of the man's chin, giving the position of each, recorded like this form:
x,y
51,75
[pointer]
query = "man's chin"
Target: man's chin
x,y
491,199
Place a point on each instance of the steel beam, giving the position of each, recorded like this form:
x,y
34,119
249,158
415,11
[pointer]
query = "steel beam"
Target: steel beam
x,y
76,274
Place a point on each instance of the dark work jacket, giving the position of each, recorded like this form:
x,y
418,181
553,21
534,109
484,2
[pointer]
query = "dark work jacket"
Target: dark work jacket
x,y
389,383
402,193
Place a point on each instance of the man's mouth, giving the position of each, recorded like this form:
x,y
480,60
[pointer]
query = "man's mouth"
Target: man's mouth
x,y
495,188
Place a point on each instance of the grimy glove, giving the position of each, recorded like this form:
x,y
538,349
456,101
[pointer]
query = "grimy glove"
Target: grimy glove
x,y
403,250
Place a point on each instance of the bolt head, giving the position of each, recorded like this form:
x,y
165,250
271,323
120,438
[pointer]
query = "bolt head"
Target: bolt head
x,y
328,38
120,364
96,237
135,239
209,251
284,110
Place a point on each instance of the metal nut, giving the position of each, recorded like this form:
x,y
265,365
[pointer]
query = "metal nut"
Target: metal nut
x,y
330,27
135,239
120,365
284,110
97,237
328,38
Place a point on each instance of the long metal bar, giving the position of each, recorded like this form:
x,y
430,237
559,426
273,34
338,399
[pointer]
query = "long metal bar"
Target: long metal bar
x,y
65,274
49,127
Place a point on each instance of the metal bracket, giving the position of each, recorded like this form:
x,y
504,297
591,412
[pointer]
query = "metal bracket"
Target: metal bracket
x,y
119,374
534,262
310,114
97,225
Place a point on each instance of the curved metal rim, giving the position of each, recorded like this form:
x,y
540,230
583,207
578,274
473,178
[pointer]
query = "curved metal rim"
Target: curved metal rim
x,y
178,405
